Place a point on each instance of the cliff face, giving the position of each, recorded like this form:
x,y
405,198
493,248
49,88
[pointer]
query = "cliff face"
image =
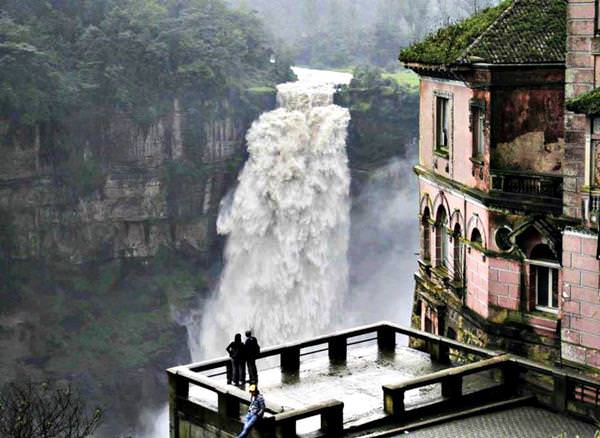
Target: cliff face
x,y
146,188
102,250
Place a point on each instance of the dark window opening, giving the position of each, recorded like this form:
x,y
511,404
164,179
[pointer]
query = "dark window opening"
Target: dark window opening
x,y
478,130
441,238
457,250
476,237
426,236
441,123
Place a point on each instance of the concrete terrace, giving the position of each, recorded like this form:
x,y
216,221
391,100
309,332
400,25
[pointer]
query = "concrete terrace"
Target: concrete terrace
x,y
364,382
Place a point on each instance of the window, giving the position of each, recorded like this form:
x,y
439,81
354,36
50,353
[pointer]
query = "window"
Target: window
x,y
441,123
544,277
477,128
457,251
426,236
546,287
476,237
441,239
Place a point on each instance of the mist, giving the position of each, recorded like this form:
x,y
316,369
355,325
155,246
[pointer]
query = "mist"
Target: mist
x,y
383,241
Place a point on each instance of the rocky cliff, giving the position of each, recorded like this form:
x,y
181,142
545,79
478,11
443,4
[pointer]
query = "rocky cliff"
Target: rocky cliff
x,y
101,251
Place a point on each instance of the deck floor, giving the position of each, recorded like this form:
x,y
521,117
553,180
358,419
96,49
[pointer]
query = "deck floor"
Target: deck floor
x,y
358,383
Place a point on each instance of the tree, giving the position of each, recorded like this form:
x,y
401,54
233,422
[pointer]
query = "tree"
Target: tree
x,y
29,409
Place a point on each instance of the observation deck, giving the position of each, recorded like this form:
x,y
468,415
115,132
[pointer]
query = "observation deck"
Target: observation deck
x,y
365,382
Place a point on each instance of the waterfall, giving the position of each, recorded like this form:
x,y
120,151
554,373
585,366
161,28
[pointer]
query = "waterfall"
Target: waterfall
x,y
287,224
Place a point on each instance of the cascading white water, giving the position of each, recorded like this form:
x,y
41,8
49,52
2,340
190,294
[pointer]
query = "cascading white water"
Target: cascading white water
x,y
287,223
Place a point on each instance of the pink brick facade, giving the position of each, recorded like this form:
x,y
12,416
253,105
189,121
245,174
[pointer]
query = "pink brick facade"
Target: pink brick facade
x,y
580,331
580,341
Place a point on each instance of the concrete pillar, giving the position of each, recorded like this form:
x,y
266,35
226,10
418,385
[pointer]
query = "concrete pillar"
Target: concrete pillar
x,y
338,349
393,401
452,387
178,388
290,360
439,352
332,421
560,393
386,339
510,378
286,429
229,406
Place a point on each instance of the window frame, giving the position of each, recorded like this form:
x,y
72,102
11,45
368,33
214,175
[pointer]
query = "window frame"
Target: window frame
x,y
553,271
444,127
478,119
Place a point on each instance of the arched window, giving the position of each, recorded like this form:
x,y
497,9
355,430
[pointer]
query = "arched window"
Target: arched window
x,y
426,235
441,238
544,269
476,237
456,252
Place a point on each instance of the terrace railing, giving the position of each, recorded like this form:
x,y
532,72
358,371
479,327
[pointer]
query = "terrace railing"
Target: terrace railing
x,y
565,392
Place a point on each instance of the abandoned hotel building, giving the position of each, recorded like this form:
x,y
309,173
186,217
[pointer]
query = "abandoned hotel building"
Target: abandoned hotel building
x,y
508,270
509,180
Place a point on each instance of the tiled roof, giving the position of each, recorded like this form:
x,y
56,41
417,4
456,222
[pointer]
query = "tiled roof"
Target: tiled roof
x,y
514,32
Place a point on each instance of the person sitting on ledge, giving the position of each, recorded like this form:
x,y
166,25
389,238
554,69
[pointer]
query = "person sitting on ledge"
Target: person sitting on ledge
x,y
256,410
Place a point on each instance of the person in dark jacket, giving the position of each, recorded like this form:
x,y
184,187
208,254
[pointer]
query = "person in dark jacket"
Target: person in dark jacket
x,y
252,351
237,354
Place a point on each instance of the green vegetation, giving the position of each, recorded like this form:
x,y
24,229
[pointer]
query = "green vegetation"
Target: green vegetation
x,y
384,109
528,31
131,56
84,73
447,44
109,327
587,103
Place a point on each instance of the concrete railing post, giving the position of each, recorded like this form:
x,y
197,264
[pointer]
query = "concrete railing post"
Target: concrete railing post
x,y
290,360
393,401
452,387
178,388
338,349
510,378
386,339
560,392
285,429
229,406
332,421
439,352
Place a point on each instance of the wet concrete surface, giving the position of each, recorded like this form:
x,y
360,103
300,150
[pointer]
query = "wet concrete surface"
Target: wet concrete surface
x,y
524,422
358,382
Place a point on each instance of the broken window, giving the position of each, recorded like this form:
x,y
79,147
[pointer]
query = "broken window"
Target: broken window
x,y
426,236
544,275
441,239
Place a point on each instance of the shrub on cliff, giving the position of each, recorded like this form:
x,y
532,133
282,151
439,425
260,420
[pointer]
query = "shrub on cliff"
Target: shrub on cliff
x,y
29,409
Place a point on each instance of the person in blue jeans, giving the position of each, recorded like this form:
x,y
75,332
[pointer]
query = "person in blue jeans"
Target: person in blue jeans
x,y
256,410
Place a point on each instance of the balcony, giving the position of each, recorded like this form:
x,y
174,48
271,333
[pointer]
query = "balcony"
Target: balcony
x,y
541,190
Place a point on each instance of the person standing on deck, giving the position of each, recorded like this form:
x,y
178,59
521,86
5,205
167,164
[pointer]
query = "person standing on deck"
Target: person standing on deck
x,y
252,352
237,354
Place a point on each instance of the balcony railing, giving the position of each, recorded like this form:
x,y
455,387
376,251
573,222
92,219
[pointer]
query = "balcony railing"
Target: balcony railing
x,y
528,184
591,207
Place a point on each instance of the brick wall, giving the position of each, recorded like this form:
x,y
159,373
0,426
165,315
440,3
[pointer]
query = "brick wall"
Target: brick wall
x,y
579,79
505,283
581,300
477,282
